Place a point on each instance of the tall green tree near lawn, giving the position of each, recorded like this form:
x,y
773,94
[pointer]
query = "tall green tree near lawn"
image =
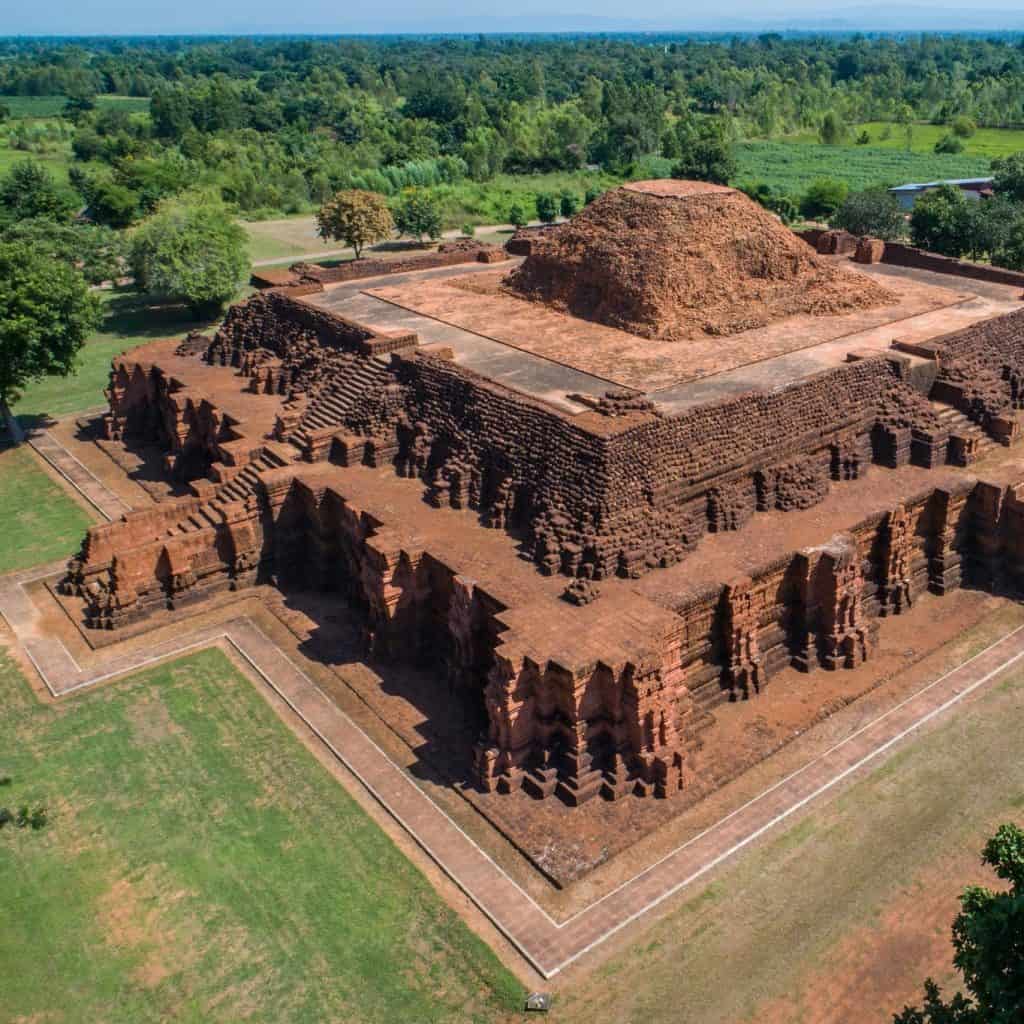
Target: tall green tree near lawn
x,y
46,313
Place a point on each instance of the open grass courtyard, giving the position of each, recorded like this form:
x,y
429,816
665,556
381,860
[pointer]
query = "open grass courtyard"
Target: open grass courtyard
x,y
200,865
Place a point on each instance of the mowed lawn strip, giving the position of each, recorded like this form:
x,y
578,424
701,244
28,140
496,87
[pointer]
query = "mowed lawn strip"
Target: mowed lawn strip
x,y
201,865
794,926
41,522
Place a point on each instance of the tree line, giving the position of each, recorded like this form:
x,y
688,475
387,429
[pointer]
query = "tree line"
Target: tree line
x,y
283,124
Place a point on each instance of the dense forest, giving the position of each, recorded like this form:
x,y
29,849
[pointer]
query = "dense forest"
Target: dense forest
x,y
279,124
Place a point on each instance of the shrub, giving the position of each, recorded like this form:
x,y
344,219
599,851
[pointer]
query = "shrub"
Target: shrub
x,y
569,204
547,208
949,144
823,198
418,213
517,215
469,230
963,127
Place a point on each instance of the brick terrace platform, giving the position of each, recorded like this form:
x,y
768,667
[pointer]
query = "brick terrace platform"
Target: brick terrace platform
x,y
550,355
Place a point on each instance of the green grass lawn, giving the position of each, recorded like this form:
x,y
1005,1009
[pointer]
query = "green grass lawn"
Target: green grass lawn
x,y
850,907
41,523
130,321
200,865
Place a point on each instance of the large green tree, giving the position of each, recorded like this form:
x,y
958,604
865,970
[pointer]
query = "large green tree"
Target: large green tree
x,y
356,217
988,944
191,252
705,152
46,313
941,221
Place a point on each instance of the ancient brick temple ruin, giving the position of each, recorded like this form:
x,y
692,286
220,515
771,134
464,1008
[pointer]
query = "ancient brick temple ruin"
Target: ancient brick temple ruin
x,y
596,501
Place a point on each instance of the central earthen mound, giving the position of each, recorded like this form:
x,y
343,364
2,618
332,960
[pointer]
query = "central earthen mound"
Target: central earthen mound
x,y
676,259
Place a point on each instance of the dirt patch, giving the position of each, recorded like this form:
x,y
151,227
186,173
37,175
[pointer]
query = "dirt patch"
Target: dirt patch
x,y
879,968
674,260
131,916
150,720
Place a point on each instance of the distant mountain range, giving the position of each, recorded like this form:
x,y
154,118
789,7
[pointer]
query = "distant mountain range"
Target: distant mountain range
x,y
825,19
327,18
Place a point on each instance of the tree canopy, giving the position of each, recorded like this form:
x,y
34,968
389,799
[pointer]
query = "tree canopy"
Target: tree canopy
x,y
191,252
988,944
418,214
874,212
46,313
941,222
356,217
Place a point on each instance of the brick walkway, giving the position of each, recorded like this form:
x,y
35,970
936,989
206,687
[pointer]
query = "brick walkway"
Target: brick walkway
x,y
108,504
547,944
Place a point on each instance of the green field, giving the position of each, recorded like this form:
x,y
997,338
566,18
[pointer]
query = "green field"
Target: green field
x,y
41,523
130,320
57,159
986,142
790,167
53,106
200,865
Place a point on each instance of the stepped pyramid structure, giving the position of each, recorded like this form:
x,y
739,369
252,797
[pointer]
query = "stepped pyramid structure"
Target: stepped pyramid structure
x,y
592,576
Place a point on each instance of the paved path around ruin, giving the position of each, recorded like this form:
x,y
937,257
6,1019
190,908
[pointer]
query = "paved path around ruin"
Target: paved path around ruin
x,y
547,944
79,476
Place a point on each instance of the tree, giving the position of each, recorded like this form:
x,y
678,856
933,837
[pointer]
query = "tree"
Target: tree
x,y
823,198
940,222
356,217
832,130
547,207
1001,234
988,944
46,313
1008,176
705,153
191,252
517,215
28,190
98,252
872,212
418,213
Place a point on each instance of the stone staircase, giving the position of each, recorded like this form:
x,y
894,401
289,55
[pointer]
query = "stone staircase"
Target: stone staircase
x,y
967,441
335,404
238,488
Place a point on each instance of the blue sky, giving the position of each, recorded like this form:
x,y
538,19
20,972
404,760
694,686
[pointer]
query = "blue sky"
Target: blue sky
x,y
65,17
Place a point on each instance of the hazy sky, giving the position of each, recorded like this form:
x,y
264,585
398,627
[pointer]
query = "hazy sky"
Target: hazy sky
x,y
67,17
